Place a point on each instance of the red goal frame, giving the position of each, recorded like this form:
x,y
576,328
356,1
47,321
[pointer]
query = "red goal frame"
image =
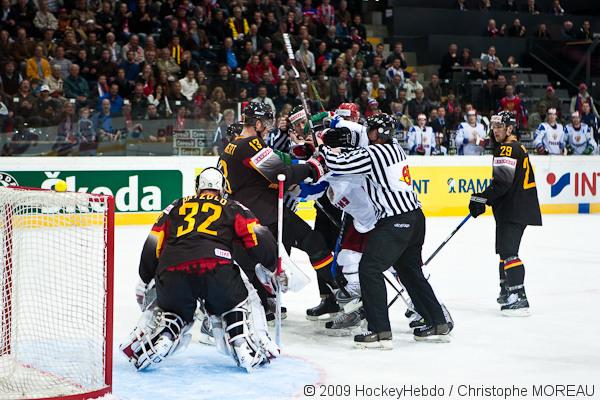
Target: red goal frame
x,y
109,232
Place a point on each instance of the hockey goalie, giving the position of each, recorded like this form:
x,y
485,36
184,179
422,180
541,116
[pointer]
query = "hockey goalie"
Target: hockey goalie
x,y
187,259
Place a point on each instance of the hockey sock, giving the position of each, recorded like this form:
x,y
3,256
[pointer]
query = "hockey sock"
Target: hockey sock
x,y
515,274
501,272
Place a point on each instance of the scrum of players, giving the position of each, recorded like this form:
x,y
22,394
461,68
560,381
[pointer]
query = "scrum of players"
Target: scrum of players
x,y
212,257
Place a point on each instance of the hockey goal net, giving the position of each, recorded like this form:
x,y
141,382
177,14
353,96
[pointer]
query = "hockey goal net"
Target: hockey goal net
x,y
56,294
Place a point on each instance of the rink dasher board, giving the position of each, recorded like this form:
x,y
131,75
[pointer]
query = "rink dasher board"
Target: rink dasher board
x,y
565,184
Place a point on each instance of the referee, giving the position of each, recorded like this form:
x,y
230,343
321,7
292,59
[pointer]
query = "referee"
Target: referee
x,y
397,238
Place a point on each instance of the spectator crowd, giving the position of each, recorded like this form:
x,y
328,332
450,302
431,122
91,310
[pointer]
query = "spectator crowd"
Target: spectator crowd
x,y
98,70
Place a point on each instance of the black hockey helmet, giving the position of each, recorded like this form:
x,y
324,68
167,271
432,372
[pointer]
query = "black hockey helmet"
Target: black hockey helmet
x,y
256,111
505,118
234,130
340,137
383,123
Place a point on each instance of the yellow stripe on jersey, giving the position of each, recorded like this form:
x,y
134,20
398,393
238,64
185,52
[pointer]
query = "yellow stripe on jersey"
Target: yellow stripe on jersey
x,y
160,237
250,226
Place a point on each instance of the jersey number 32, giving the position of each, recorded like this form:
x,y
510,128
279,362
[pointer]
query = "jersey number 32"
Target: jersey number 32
x,y
210,213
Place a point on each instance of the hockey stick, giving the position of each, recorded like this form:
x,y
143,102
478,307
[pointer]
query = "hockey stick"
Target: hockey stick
x,y
280,250
328,214
336,252
290,51
447,239
399,294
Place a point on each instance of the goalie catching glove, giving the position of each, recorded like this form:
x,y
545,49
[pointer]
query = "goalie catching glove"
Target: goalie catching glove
x,y
271,280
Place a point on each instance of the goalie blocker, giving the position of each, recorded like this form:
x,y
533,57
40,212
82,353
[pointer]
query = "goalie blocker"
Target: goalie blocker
x,y
188,254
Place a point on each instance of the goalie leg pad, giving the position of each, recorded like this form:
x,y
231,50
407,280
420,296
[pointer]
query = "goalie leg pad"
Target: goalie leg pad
x,y
242,338
157,335
258,322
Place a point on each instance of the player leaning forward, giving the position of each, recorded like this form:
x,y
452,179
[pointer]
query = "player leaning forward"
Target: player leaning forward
x,y
188,254
397,238
513,197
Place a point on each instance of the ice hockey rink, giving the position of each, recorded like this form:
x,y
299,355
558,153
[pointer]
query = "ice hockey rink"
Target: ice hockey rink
x,y
557,345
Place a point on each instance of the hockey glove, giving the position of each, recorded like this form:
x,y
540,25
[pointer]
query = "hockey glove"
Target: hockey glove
x,y
420,150
477,205
302,151
340,137
317,163
588,150
271,280
541,150
145,295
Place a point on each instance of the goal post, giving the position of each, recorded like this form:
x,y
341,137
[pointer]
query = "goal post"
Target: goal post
x,y
56,294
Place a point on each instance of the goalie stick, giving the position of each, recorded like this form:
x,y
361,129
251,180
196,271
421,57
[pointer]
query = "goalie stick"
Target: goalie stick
x,y
280,250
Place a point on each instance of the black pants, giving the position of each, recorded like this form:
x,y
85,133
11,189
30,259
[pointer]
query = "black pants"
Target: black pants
x,y
221,288
329,231
396,241
508,239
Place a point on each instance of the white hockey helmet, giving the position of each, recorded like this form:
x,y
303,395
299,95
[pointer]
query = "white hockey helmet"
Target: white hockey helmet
x,y
210,179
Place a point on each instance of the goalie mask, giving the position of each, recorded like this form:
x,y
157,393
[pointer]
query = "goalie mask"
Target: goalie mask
x,y
340,137
384,124
210,179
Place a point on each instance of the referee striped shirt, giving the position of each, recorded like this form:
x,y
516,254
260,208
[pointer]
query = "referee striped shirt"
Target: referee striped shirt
x,y
385,166
278,140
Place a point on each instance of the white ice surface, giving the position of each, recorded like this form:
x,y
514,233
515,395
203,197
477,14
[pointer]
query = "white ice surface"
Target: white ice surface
x,y
558,344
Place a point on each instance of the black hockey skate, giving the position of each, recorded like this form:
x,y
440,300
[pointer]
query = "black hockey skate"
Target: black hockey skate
x,y
433,333
347,320
516,305
417,322
343,297
325,311
449,319
503,296
270,311
370,340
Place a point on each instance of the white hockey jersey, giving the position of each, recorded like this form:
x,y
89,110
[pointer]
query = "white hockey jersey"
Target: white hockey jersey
x,y
347,192
469,139
421,137
553,139
580,140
